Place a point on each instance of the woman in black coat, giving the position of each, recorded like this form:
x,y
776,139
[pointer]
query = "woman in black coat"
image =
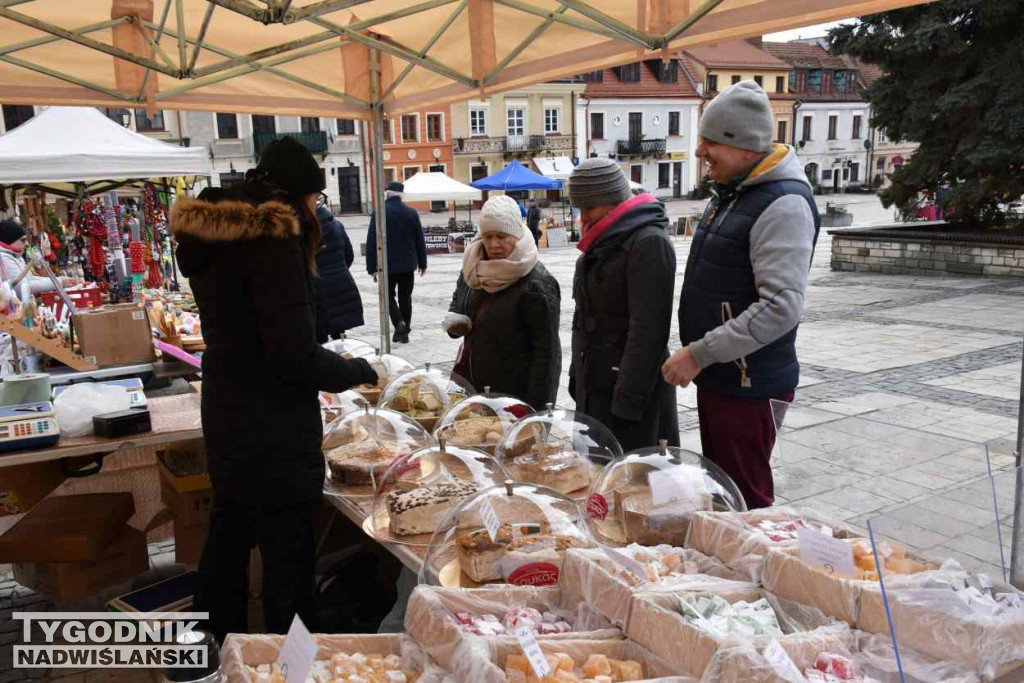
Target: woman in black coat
x,y
248,252
506,306
338,305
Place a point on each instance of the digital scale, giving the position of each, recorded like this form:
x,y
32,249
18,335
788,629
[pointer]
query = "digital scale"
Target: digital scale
x,y
29,425
133,385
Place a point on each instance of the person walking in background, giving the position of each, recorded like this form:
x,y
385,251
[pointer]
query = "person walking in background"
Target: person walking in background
x,y
623,290
506,308
743,291
533,220
407,252
339,307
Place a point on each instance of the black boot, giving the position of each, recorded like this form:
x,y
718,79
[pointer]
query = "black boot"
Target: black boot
x,y
401,335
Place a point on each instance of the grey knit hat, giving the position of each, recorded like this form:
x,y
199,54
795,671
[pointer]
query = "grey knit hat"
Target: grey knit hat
x,y
596,182
741,116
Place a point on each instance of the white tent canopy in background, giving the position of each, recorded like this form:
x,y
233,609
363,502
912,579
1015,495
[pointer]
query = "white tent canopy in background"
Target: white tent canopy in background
x,y
559,168
435,186
80,144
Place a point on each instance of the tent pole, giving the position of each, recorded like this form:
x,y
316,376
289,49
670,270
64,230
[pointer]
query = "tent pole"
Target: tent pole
x,y
1017,547
377,123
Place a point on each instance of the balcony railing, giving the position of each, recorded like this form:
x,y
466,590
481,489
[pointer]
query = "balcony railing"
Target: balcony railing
x,y
315,141
479,145
514,144
643,147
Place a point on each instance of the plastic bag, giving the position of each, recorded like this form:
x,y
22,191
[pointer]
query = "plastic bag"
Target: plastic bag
x,y
75,407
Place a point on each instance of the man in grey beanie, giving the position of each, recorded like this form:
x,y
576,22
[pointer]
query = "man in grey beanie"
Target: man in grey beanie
x,y
743,289
623,291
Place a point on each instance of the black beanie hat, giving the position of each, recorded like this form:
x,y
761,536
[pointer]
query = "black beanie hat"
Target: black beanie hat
x,y
291,167
11,231
395,186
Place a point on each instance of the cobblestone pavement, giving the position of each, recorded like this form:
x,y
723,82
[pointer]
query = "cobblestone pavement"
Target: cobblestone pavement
x,y
908,396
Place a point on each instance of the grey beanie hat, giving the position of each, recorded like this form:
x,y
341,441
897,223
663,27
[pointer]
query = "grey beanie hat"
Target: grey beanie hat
x,y
741,116
596,182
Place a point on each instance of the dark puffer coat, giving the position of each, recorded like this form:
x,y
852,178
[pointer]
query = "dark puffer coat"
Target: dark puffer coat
x,y
407,248
244,256
513,347
338,304
623,291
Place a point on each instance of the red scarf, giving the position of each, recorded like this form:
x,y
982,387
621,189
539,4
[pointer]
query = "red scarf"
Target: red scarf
x,y
595,231
12,249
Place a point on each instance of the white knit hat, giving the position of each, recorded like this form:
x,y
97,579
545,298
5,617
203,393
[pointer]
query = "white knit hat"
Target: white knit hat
x,y
501,214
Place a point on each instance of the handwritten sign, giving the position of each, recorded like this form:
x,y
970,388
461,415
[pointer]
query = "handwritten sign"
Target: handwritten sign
x,y
831,554
489,518
298,653
533,653
675,484
626,563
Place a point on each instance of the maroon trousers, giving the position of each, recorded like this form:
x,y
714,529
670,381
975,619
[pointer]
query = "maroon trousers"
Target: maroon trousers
x,y
738,435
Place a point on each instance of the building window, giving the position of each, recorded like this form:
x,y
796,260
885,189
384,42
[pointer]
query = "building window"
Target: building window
x,y
478,122
596,125
411,128
839,81
149,124
410,171
389,175
782,132
759,80
594,77
780,84
227,126
310,124
833,126
346,126
808,120
636,174
17,114
118,115
735,79
389,133
856,126
664,175
673,123
712,83
880,167
629,73
517,121
262,123
854,173
792,81
814,80
435,127
552,120
826,174
881,137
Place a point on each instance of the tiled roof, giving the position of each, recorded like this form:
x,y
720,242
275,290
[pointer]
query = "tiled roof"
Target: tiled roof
x,y
805,56
869,73
649,86
735,54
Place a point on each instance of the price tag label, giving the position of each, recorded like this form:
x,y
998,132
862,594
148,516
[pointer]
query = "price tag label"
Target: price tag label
x,y
781,662
532,650
831,554
489,518
676,484
627,563
298,653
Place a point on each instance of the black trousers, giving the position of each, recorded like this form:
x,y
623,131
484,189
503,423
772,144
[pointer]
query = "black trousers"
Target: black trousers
x,y
285,537
400,307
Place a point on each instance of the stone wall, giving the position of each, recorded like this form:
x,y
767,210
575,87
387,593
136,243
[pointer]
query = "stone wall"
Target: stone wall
x,y
878,253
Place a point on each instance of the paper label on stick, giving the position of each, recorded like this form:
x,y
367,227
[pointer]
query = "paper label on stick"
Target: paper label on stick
x,y
831,554
298,653
627,563
675,484
489,518
532,650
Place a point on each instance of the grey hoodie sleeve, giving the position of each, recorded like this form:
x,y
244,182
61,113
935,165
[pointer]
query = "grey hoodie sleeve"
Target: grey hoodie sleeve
x,y
781,247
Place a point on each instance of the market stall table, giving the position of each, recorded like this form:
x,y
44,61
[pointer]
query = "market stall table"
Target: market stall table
x,y
357,510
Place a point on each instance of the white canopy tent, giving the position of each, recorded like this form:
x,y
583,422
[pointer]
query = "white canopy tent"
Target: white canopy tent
x,y
79,144
559,168
436,186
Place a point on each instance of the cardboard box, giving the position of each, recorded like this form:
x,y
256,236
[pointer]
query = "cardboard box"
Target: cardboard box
x,y
67,528
429,616
191,508
115,335
189,542
22,486
788,577
124,558
744,662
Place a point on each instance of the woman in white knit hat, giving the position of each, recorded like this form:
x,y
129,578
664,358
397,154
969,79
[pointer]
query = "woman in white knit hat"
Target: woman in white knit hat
x,y
506,308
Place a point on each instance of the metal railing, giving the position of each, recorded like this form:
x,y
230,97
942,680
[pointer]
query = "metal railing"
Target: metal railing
x,y
641,146
315,141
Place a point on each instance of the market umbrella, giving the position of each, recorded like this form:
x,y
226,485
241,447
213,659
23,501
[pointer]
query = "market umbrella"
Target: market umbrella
x,y
514,177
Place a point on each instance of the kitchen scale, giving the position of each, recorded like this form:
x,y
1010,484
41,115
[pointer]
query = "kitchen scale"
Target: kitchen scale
x,y
133,385
29,425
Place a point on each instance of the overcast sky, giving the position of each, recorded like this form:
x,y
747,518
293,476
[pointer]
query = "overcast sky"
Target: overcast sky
x,y
806,32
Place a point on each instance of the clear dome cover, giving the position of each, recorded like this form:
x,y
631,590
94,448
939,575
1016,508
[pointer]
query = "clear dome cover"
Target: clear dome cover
x,y
513,533
481,421
388,368
349,348
361,446
650,495
561,449
414,495
336,406
425,394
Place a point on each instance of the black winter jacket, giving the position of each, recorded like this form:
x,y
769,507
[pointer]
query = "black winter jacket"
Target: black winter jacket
x,y
407,249
243,254
338,304
513,347
623,291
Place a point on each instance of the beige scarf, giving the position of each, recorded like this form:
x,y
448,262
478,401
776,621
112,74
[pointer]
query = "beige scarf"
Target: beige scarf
x,y
494,276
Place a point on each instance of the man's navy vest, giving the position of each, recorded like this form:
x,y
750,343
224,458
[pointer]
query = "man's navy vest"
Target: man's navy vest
x,y
719,271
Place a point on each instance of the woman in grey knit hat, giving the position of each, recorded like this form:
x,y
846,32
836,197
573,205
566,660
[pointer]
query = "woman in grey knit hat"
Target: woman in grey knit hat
x,y
623,289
